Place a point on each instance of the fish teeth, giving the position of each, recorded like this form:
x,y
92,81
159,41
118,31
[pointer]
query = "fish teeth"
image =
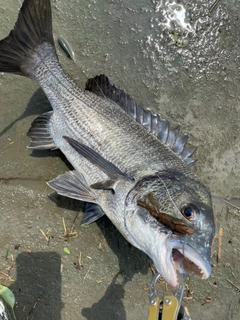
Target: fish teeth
x,y
202,273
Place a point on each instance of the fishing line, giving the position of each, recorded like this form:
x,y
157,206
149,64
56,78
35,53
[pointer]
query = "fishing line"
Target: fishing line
x,y
170,197
183,237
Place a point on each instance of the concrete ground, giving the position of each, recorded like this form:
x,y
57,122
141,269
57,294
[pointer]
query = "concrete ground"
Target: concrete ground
x,y
190,74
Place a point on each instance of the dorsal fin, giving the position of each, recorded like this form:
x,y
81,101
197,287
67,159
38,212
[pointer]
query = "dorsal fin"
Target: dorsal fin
x,y
151,122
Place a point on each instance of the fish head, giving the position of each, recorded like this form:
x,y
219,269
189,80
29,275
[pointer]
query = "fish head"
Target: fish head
x,y
186,204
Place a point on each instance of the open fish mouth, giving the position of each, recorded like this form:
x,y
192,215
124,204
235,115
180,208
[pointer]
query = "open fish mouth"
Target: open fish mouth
x,y
184,259
187,266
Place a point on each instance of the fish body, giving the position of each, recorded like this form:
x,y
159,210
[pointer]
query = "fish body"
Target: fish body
x,y
120,152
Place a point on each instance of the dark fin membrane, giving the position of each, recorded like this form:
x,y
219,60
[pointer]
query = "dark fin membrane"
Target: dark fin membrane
x,y
151,122
33,27
186,153
92,212
39,133
96,159
73,185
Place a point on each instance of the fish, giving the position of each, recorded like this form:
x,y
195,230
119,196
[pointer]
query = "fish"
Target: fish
x,y
121,153
66,47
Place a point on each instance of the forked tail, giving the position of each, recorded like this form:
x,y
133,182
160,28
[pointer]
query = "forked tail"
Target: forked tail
x,y
29,41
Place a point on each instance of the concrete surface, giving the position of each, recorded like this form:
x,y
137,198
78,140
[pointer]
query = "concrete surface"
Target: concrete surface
x,y
190,74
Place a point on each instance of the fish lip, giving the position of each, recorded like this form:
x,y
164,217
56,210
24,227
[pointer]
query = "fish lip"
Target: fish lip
x,y
183,258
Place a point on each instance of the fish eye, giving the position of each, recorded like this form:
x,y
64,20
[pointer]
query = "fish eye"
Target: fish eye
x,y
189,211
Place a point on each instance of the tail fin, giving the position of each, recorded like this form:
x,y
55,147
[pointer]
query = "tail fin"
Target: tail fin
x,y
33,27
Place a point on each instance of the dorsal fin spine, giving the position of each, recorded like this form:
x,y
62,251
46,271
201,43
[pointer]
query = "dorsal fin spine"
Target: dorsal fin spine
x,y
151,122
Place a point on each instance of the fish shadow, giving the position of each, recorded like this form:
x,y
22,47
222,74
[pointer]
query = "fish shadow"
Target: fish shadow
x,y
131,261
37,104
37,288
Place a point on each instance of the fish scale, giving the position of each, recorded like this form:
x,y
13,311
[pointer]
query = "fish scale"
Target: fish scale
x,y
82,111
83,116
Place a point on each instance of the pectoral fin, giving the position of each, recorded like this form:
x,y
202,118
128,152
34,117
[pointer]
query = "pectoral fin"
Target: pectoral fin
x,y
105,185
73,185
96,159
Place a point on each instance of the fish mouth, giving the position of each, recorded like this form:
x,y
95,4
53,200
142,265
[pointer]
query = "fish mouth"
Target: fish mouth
x,y
181,262
184,259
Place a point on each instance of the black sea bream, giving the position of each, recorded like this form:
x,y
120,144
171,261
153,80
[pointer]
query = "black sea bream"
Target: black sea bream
x,y
122,154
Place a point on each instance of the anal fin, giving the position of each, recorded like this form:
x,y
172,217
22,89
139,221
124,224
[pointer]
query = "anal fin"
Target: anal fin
x,y
39,133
